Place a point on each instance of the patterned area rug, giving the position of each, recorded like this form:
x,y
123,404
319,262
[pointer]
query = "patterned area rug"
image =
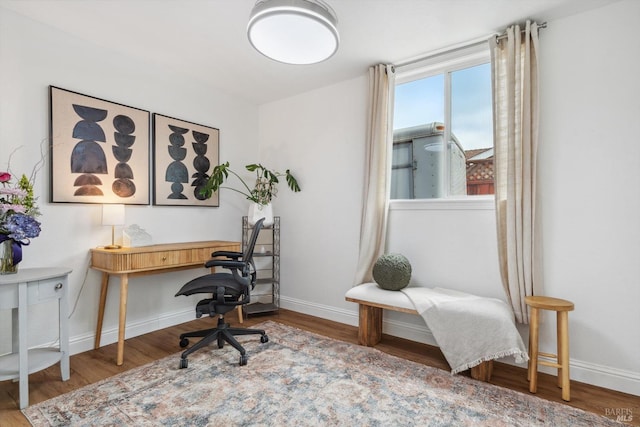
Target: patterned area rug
x,y
302,379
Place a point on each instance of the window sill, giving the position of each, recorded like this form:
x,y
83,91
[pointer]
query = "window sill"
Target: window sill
x,y
462,203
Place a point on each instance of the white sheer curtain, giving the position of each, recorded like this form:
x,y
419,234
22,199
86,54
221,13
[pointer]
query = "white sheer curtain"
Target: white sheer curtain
x,y
377,173
514,64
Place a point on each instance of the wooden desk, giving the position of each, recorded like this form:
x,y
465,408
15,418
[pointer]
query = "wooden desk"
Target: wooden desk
x,y
18,291
143,260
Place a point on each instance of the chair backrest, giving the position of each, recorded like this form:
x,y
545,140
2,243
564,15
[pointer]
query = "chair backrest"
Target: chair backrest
x,y
251,244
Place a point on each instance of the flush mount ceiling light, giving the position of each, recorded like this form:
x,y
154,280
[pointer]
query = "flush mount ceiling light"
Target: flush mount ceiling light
x,y
294,31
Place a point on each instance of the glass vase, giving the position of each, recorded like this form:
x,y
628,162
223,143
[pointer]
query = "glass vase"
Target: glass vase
x,y
6,258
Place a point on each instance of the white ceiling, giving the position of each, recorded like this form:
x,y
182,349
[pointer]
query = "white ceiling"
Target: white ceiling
x,y
212,34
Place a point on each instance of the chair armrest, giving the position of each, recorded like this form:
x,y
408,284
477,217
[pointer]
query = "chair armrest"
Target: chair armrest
x,y
228,254
226,263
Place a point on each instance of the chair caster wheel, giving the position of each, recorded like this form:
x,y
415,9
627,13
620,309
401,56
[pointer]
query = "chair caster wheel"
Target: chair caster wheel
x,y
184,363
243,359
264,339
220,342
184,342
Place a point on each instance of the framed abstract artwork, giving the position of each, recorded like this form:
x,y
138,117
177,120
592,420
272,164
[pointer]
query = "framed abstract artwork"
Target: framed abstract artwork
x,y
99,150
184,153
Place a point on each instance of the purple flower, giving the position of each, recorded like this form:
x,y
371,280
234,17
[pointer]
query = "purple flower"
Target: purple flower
x,y
22,227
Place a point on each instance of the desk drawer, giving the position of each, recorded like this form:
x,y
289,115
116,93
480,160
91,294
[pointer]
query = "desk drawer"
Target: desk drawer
x,y
44,290
158,260
203,255
37,291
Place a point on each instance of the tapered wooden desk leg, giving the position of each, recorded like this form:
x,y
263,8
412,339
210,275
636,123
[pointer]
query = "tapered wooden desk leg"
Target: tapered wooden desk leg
x,y
563,353
124,288
103,300
533,351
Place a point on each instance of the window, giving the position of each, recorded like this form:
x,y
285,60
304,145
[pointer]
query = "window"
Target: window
x,y
443,132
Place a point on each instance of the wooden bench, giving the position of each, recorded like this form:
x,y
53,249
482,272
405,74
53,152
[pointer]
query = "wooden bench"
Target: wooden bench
x,y
372,299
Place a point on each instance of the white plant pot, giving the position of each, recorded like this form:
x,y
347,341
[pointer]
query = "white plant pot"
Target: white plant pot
x,y
257,211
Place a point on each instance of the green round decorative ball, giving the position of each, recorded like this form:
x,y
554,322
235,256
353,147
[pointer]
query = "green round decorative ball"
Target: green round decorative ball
x,y
392,272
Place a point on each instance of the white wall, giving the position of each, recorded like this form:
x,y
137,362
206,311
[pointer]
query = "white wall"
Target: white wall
x,y
319,137
34,56
589,181
589,200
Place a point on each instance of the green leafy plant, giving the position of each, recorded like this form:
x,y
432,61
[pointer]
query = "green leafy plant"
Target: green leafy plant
x,y
264,190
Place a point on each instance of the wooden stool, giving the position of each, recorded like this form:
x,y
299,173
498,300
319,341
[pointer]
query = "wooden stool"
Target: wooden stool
x,y
562,308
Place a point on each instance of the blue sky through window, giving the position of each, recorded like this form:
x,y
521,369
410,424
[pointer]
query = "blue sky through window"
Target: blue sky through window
x,y
422,101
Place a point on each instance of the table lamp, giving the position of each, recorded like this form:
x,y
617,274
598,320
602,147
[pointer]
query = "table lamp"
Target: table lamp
x,y
112,215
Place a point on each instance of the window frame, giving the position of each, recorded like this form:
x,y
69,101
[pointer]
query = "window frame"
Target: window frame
x,y
444,63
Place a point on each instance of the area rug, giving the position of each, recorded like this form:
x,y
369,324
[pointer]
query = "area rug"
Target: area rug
x,y
300,379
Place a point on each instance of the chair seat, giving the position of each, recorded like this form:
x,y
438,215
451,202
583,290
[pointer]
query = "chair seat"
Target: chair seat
x,y
209,283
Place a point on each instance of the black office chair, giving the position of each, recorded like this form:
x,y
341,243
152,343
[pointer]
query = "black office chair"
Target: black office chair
x,y
229,290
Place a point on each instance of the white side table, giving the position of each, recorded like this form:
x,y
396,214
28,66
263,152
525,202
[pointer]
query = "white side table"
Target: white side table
x,y
17,291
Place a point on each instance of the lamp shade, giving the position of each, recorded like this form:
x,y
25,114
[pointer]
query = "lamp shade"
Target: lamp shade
x,y
294,31
112,214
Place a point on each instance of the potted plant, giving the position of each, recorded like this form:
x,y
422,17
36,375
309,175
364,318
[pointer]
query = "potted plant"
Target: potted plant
x,y
262,192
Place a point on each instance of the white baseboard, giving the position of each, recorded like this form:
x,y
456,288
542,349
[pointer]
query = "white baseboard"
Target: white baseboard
x,y
82,343
590,373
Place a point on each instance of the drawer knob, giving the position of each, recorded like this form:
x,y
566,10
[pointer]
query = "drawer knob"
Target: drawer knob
x,y
164,258
58,286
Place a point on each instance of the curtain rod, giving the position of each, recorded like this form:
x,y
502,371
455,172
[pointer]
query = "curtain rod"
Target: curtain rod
x,y
504,35
447,49
453,48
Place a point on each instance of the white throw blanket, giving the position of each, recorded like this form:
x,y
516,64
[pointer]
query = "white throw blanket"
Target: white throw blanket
x,y
469,329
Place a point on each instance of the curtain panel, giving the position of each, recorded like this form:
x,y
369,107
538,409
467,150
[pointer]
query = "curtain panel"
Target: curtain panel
x,y
377,170
514,69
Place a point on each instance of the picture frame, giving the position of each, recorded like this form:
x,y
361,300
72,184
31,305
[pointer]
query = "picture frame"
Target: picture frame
x,y
184,154
99,150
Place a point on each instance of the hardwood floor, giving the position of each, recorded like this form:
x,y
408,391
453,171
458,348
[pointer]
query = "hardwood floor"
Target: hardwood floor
x,y
95,365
